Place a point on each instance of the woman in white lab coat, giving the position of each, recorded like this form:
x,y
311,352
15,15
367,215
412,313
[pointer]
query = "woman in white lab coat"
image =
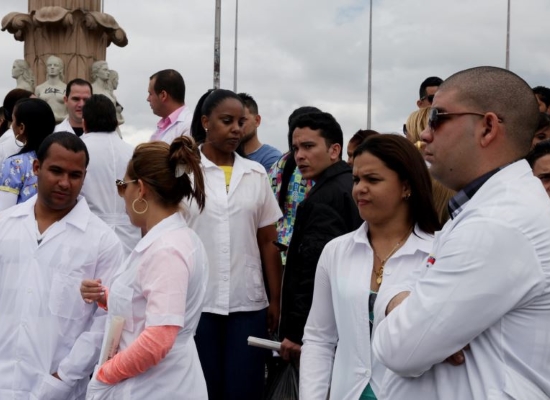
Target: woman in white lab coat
x,y
392,189
160,289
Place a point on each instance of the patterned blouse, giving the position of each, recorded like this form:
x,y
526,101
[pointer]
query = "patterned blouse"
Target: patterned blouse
x,y
18,177
298,189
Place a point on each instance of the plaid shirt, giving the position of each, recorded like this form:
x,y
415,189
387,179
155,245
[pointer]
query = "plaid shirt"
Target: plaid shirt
x,y
459,200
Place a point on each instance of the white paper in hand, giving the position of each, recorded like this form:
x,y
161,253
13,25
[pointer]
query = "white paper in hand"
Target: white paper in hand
x,y
264,343
112,339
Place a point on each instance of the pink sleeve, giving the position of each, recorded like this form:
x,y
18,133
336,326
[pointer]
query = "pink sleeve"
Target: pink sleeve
x,y
146,351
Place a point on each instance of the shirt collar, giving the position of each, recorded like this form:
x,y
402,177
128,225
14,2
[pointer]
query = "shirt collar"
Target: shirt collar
x,y
174,221
417,241
169,120
459,200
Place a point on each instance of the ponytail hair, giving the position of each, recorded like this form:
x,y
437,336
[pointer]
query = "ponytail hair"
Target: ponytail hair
x,y
166,169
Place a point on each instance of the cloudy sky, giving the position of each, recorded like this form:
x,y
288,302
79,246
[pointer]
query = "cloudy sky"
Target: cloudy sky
x,y
312,52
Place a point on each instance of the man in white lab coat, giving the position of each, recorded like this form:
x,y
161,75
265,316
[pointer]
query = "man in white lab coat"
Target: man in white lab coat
x,y
487,281
167,100
109,156
77,92
49,337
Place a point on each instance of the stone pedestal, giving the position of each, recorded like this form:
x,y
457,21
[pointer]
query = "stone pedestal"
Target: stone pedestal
x,y
74,30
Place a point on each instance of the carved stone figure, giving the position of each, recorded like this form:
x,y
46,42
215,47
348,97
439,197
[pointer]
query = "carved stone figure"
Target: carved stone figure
x,y
53,90
113,84
23,75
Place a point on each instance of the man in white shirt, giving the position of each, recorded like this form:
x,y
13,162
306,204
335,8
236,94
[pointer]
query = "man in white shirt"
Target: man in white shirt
x,y
49,337
485,292
77,92
109,156
167,100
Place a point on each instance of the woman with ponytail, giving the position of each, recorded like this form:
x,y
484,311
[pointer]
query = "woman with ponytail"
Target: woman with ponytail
x,y
160,289
238,229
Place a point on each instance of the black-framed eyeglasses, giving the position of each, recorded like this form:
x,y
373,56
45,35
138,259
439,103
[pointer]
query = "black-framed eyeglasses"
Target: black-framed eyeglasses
x,y
429,97
436,118
121,185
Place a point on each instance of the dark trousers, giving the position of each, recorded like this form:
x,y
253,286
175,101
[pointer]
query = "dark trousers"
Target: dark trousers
x,y
232,369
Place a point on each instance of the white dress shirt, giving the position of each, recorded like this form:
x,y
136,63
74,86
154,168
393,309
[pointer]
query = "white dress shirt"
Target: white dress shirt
x,y
486,284
162,283
7,145
109,156
180,127
45,325
339,316
228,226
64,126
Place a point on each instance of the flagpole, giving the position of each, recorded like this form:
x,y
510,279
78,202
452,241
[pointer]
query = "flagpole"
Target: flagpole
x,y
370,69
236,41
217,31
508,38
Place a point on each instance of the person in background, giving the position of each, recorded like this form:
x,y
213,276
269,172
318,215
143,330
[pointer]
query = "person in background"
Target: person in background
x,y
327,212
77,92
392,189
416,123
543,129
358,138
543,98
252,147
8,146
427,91
160,288
49,338
109,157
33,121
289,187
166,96
237,226
539,160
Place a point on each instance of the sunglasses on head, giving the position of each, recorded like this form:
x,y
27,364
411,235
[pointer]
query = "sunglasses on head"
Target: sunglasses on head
x,y
121,185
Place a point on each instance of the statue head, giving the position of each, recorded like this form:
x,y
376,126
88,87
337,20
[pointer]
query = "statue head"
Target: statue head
x,y
21,69
55,67
100,70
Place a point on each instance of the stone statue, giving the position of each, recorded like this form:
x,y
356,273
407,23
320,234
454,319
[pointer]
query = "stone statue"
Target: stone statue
x,y
100,79
53,90
113,84
22,73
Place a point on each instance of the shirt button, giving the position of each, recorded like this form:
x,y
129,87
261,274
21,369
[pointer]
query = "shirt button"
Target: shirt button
x,y
29,290
225,249
225,278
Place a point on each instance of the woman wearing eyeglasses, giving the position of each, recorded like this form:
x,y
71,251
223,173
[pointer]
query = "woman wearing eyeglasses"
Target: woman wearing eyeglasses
x,y
392,190
159,290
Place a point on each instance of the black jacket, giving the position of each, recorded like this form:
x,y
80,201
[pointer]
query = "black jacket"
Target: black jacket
x,y
328,212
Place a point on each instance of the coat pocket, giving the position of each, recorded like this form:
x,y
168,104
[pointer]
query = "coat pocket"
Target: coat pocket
x,y
65,299
255,288
52,388
121,304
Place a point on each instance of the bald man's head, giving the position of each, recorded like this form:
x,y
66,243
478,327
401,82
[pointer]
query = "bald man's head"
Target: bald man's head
x,y
492,89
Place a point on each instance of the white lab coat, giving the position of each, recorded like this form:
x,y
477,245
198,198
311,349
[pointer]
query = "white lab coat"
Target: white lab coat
x,y
488,286
109,156
339,316
180,127
45,326
228,226
170,253
64,126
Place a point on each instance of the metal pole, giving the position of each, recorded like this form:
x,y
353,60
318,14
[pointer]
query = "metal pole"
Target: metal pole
x,y
236,42
217,45
370,68
508,38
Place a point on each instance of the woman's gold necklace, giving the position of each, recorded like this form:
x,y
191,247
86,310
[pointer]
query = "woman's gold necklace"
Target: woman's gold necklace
x,y
383,261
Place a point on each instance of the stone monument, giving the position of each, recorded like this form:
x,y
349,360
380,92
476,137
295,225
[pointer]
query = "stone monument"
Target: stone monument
x,y
23,75
76,31
53,89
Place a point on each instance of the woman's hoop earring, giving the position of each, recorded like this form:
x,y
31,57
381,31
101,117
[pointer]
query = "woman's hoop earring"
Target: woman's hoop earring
x,y
134,206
